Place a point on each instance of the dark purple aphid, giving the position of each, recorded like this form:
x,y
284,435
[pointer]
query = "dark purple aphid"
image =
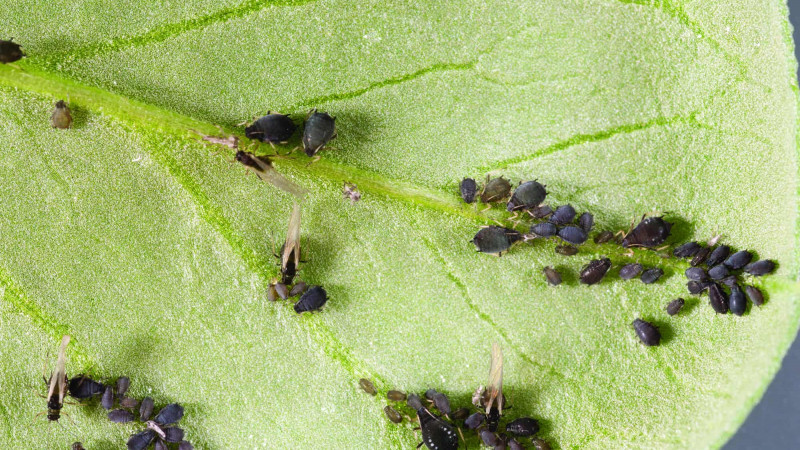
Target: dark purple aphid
x,y
396,396
675,306
730,280
82,387
718,272
651,232
553,277
490,439
586,222
737,301
603,237
120,416
185,445
123,383
107,401
697,287
10,51
759,268
573,235
541,211
160,445
717,298
564,214
146,409
687,250
442,403
495,240
700,257
430,393
593,272
319,129
173,434
468,188
414,402
367,386
142,440
169,414
738,260
475,420
271,128
392,414
647,332
128,402
544,229
513,444
298,289
460,414
282,290
540,444
718,255
566,250
436,433
527,195
524,426
650,276
629,271
312,300
696,274
495,190
755,295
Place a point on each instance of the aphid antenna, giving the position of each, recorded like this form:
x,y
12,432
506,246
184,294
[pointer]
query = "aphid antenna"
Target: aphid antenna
x,y
310,112
314,159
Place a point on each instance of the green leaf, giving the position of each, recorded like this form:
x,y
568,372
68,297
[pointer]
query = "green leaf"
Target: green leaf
x,y
154,253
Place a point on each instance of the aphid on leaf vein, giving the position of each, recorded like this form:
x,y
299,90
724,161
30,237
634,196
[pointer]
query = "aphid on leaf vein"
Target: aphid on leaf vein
x,y
58,383
271,128
61,117
468,189
650,232
262,167
83,387
319,129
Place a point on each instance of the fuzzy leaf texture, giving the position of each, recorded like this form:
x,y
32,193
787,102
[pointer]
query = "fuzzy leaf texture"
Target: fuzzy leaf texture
x,y
154,253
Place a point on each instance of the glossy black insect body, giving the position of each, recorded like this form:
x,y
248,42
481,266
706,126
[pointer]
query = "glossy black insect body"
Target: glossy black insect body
x,y
392,414
700,257
173,434
573,235
169,414
566,250
120,416
697,287
718,272
495,190
527,195
629,271
738,260
319,129
650,276
651,232
271,128
436,433
83,387
123,383
495,240
687,250
586,222
759,268
553,277
469,188
737,301
544,229
10,51
61,117
141,440
146,409
489,438
717,298
603,237
675,306
367,386
396,396
647,332
593,272
474,420
523,426
696,274
442,403
754,294
564,214
107,401
312,300
718,255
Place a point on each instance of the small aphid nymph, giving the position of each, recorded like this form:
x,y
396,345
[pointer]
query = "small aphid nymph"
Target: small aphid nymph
x,y
541,211
650,276
700,257
396,396
564,214
755,295
696,274
107,401
146,409
523,426
738,260
469,189
495,190
392,414
717,298
319,129
647,332
495,240
83,387
314,299
718,255
527,195
367,386
474,420
603,237
61,117
141,440
687,250
566,250
586,222
553,277
718,272
120,416
593,272
544,229
630,271
650,232
573,235
760,268
10,51
737,301
298,289
442,403
675,306
272,128
697,287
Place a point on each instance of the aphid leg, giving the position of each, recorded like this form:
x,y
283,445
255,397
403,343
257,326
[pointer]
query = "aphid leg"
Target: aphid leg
x,y
662,248
488,207
460,433
38,415
313,160
498,222
310,112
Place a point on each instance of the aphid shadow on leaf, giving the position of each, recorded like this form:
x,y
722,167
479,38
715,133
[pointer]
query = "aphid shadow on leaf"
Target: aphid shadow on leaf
x,y
568,275
666,330
80,116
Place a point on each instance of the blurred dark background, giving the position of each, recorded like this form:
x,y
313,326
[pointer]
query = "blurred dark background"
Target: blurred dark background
x,y
775,422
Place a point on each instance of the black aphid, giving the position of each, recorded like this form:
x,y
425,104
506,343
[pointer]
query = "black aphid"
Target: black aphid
x,y
593,272
396,396
123,383
460,414
754,294
564,214
718,255
271,128
392,414
430,393
650,276
442,403
647,332
573,235
696,274
700,257
687,250
282,290
697,287
730,280
629,271
10,51
651,232
718,272
436,433
128,402
675,306
759,268
160,445
184,445
58,383
717,298
566,250
77,446
107,401
61,117
469,188
141,440
367,386
540,444
490,439
603,237
527,195
544,229
513,444
495,240
414,402
298,289
541,211
475,420
169,414
737,301
738,260
120,416
146,409
319,129
173,434
586,222
553,277
524,426
82,387
495,190
312,300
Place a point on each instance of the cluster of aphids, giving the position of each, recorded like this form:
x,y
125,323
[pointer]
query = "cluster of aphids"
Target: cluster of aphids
x,y
723,268
160,430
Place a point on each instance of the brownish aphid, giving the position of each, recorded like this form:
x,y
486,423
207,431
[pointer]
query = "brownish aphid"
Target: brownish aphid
x,y
396,396
350,192
392,414
61,117
367,386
